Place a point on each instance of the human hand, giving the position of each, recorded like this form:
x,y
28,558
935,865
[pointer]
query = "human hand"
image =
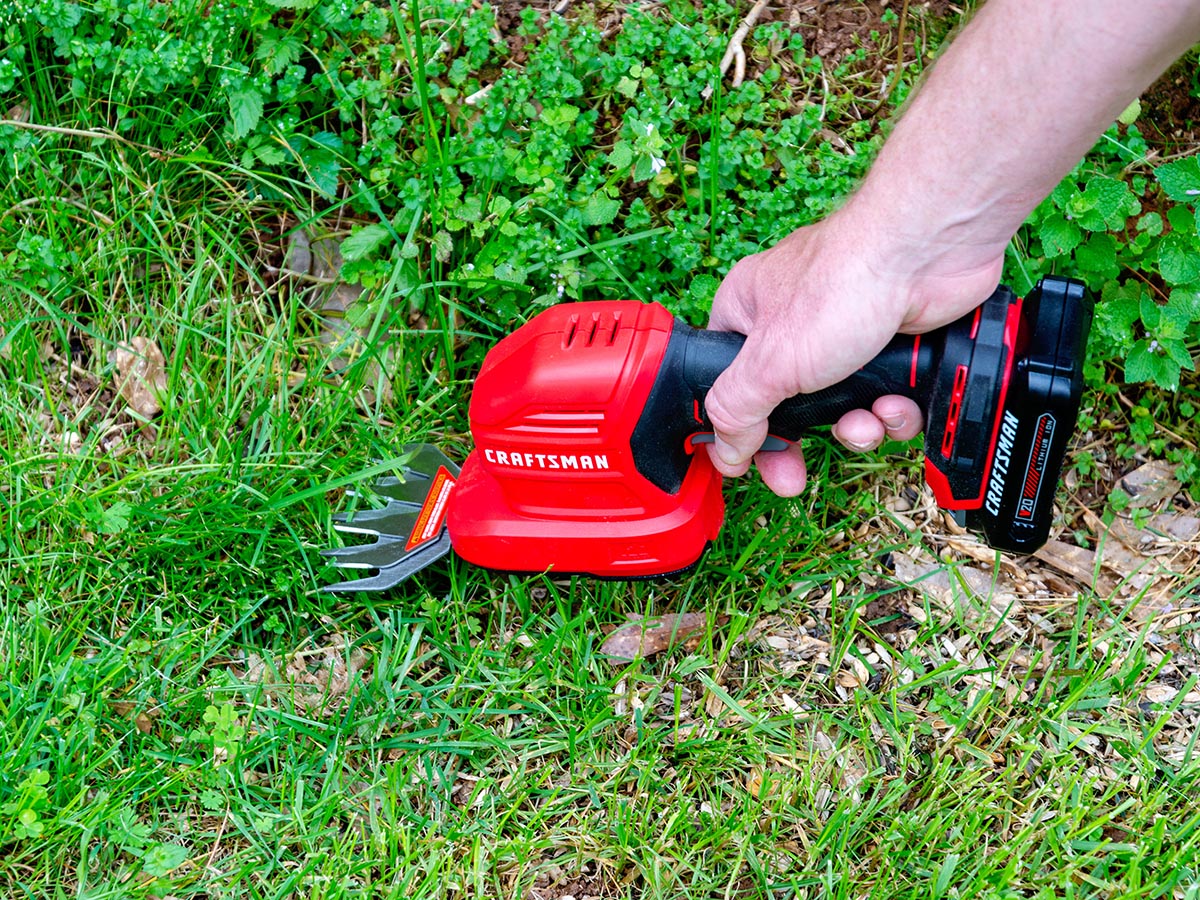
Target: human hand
x,y
816,307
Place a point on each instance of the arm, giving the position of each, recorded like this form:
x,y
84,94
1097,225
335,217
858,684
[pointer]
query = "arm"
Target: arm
x,y
1010,107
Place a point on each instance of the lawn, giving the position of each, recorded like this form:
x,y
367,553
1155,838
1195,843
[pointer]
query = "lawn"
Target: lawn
x,y
248,251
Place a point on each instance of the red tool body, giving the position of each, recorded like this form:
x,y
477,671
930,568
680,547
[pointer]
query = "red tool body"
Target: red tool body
x,y
586,421
553,481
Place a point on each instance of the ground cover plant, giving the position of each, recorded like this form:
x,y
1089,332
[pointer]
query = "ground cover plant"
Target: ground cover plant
x,y
246,250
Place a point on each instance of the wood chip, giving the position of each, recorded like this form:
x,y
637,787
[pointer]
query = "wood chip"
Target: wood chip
x,y
643,638
142,375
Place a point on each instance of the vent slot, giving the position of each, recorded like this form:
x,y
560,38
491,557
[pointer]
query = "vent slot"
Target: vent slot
x,y
596,327
575,423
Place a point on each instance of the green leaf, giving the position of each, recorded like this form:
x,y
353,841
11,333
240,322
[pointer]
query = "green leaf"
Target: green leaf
x,y
363,243
1187,303
1130,113
1149,311
1147,363
600,209
1104,204
1177,350
1151,223
161,859
1180,179
1178,261
621,157
560,118
277,53
1058,235
1097,258
703,288
245,109
443,246
115,519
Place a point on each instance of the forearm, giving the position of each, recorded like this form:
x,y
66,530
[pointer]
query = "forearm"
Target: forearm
x,y
1012,105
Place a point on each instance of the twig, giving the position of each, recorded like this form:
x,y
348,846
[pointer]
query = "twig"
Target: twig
x,y
479,95
735,50
34,201
99,134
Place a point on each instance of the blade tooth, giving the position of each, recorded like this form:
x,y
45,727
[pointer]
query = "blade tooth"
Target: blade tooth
x,y
390,576
382,553
395,518
412,492
397,523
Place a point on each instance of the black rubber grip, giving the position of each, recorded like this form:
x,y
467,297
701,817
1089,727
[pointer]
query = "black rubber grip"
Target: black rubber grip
x,y
695,358
903,367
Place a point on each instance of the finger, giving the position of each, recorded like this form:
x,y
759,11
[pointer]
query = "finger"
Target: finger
x,y
783,471
859,430
900,416
729,311
738,405
729,471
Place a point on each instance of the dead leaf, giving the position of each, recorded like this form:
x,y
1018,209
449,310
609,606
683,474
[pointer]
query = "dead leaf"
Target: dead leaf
x,y
1150,484
142,373
643,638
1078,562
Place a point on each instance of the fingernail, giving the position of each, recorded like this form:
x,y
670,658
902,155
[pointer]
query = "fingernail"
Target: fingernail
x,y
894,422
726,451
860,446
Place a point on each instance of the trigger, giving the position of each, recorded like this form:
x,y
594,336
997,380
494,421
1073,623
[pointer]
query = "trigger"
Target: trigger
x,y
771,445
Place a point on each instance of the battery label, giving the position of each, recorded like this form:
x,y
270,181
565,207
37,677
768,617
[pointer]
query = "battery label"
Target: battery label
x,y
433,512
1035,470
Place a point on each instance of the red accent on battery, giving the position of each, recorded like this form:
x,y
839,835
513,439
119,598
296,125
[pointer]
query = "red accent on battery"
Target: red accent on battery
x,y
936,479
696,412
955,410
975,324
912,372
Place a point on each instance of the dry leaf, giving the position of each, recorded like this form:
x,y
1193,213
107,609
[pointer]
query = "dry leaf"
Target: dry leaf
x,y
142,372
1078,562
643,638
1150,484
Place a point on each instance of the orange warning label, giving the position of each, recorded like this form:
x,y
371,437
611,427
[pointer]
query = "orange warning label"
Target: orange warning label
x,y
433,512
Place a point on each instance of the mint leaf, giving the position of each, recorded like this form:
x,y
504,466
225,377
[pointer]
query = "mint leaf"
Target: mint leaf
x,y
600,209
363,242
245,109
1178,262
1146,362
621,156
1178,352
1059,236
1097,258
703,288
162,859
1180,179
560,118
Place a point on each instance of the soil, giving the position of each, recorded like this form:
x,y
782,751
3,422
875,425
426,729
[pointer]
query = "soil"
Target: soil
x,y
1170,118
831,29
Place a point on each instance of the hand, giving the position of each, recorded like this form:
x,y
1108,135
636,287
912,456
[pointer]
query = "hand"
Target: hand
x,y
816,307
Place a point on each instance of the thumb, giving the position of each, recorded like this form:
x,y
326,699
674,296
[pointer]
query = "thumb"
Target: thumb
x,y
738,405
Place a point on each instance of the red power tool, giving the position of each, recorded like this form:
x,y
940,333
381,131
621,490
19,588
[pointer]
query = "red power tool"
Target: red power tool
x,y
586,422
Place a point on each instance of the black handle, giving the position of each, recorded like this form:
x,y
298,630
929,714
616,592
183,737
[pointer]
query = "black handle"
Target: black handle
x,y
905,366
694,358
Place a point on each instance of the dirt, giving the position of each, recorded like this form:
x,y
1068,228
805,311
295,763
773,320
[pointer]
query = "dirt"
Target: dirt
x,y
1170,117
831,30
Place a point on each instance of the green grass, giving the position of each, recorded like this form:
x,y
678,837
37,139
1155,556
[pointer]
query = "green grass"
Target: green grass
x,y
184,713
